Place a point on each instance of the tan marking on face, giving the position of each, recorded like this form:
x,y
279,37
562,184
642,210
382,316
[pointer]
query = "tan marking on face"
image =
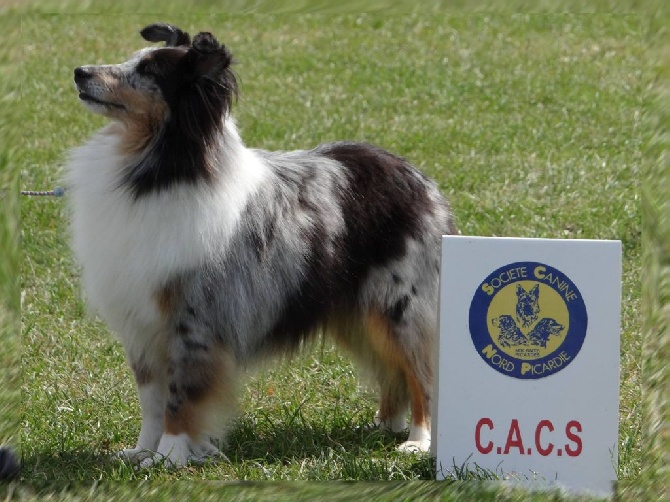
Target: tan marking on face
x,y
113,129
143,117
143,114
383,341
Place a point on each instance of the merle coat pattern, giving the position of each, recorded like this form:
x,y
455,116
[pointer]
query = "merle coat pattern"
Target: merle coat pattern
x,y
205,256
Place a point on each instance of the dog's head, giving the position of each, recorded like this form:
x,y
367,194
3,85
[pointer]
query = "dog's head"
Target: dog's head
x,y
188,82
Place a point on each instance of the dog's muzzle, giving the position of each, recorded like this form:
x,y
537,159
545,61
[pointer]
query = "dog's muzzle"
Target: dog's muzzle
x,y
82,77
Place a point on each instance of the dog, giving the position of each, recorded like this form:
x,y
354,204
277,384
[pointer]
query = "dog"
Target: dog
x,y
545,328
205,256
510,334
527,305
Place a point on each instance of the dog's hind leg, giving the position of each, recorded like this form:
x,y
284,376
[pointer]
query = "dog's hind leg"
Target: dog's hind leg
x,y
394,399
395,349
419,429
369,345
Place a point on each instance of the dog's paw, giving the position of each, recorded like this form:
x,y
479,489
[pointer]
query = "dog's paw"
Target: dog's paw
x,y
204,452
178,451
415,446
134,455
395,424
154,460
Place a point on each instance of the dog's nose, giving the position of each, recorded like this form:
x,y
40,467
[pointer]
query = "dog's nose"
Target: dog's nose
x,y
81,73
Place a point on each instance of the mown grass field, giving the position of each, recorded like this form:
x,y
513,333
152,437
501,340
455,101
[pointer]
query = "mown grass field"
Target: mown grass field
x,y
532,125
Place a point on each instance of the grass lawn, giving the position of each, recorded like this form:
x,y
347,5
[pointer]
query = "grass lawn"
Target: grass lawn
x,y
532,125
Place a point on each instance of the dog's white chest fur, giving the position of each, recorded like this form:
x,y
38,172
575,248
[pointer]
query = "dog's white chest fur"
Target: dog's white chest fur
x,y
130,247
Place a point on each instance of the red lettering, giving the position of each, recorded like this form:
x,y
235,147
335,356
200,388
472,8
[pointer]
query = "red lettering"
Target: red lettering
x,y
514,438
573,424
538,432
478,429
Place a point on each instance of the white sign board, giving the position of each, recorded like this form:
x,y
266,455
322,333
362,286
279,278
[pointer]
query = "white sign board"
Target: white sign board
x,y
527,382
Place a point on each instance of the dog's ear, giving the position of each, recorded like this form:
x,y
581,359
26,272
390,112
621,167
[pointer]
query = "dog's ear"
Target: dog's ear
x,y
209,89
162,32
209,58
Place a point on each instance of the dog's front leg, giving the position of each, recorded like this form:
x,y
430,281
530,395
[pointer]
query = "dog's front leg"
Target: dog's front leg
x,y
200,378
152,391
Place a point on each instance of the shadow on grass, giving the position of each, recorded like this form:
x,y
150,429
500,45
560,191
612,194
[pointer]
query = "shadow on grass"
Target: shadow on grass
x,y
263,438
69,469
352,453
360,453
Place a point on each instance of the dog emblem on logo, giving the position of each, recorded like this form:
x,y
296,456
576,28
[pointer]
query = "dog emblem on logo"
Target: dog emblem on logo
x,y
528,320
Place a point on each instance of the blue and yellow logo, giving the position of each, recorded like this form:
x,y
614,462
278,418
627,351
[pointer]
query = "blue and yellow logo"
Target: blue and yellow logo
x,y
528,320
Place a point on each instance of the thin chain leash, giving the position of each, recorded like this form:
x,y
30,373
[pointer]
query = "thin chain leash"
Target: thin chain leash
x,y
56,192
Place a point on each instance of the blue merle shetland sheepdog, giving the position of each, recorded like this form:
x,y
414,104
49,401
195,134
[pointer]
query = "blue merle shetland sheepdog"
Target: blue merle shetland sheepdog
x,y
204,255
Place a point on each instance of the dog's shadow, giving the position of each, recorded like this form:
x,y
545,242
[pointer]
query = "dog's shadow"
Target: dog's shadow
x,y
265,447
283,441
